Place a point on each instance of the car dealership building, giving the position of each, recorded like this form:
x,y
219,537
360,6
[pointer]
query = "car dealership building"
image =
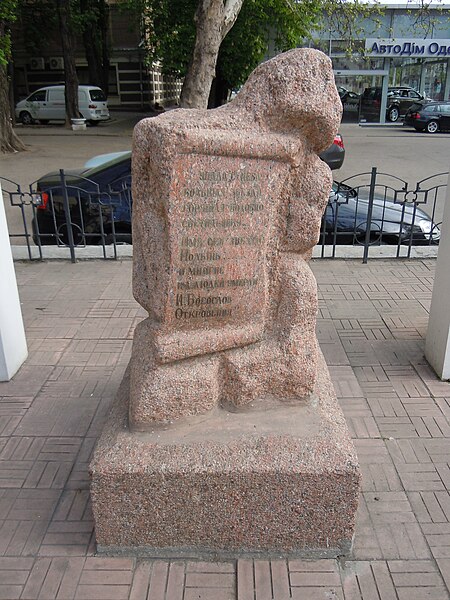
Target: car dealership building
x,y
406,45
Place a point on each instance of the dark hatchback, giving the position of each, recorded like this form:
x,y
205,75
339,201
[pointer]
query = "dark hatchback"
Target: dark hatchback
x,y
431,118
99,204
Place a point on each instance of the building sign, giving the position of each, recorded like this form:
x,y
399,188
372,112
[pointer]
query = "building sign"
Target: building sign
x,y
409,47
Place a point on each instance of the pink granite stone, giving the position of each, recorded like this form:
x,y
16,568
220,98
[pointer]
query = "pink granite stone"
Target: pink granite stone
x,y
280,482
227,206
226,437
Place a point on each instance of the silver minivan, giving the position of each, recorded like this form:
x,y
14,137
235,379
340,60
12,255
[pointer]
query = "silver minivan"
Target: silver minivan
x,y
48,104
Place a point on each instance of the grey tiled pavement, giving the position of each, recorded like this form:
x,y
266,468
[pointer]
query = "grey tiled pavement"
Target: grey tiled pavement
x,y
79,323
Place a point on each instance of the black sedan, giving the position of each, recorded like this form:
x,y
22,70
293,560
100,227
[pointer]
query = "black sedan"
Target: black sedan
x,y
346,220
96,201
431,118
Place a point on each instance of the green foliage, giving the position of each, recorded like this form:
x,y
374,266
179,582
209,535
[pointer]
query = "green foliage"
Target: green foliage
x,y
38,16
350,20
8,14
284,24
260,23
170,33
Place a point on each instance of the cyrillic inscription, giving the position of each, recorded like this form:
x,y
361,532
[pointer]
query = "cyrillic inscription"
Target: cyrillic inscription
x,y
219,248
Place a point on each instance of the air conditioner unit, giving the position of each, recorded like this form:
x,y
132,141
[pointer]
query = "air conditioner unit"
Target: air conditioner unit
x,y
56,63
37,63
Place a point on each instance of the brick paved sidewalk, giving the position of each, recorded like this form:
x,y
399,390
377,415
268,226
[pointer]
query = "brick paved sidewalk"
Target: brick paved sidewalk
x,y
79,323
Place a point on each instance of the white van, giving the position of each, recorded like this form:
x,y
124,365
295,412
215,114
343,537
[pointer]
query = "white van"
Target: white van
x,y
48,104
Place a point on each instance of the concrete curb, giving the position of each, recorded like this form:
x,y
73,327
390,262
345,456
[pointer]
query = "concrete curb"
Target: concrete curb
x,y
126,252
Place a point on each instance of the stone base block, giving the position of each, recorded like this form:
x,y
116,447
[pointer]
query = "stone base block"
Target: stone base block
x,y
279,482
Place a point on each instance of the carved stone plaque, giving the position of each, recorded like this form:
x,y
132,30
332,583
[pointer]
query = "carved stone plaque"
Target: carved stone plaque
x,y
221,211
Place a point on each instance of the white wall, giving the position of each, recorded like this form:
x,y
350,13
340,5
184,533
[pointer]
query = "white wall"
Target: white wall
x,y
13,345
437,346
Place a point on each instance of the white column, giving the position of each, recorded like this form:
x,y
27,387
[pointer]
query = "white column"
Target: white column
x,y
13,345
437,345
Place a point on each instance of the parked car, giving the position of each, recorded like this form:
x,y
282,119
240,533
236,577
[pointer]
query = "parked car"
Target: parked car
x,y
350,100
100,204
99,198
48,104
346,220
431,118
399,100
335,154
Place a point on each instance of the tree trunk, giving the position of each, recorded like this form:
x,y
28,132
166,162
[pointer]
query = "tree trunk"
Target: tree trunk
x,y
92,55
9,141
214,19
70,72
95,41
104,28
219,91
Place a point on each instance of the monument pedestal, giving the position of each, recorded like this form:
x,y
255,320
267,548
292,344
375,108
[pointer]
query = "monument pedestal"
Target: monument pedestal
x,y
281,482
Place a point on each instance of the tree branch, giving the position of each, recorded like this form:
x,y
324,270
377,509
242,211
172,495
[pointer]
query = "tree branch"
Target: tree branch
x,y
231,11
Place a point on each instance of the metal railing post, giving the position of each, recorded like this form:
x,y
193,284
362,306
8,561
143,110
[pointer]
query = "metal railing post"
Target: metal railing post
x,y
373,178
67,215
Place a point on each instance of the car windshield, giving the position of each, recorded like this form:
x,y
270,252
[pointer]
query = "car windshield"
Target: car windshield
x,y
107,165
97,95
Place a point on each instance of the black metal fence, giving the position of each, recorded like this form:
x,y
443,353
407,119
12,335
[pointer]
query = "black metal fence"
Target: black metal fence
x,y
70,212
375,209
365,210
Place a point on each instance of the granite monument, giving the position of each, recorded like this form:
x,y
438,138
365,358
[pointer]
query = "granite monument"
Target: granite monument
x,y
226,437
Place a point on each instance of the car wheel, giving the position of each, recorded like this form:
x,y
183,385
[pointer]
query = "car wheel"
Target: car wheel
x,y
26,118
393,114
432,127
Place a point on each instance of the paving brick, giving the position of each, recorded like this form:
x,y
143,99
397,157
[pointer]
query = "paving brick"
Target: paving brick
x,y
366,580
51,416
420,477
34,505
141,581
209,567
73,568
372,452
13,576
430,507
373,321
209,580
263,580
322,579
280,579
158,581
380,478
438,538
175,581
417,580
444,568
36,579
245,580
408,451
209,594
73,506
317,593
22,538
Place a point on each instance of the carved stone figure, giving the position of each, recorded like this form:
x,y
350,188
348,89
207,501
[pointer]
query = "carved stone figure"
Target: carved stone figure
x,y
227,206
